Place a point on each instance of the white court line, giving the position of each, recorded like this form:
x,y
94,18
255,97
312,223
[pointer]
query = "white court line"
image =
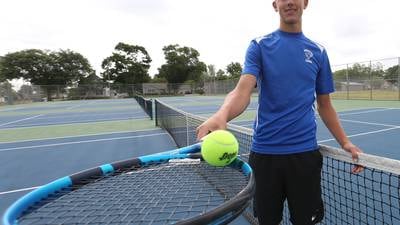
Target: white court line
x,y
16,121
369,123
74,122
345,120
96,114
83,135
79,142
6,110
18,190
362,134
73,107
208,112
77,106
363,112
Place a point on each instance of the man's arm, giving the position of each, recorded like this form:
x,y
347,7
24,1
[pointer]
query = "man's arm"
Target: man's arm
x,y
331,120
235,103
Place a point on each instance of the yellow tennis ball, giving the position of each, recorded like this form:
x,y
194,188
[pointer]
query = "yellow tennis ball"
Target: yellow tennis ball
x,y
219,148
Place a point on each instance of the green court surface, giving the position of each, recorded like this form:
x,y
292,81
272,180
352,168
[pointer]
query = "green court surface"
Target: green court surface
x,y
68,130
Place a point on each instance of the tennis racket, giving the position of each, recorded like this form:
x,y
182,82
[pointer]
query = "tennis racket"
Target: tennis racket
x,y
173,187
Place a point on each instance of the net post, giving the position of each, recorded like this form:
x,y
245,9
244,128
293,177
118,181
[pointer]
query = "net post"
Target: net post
x,y
187,129
156,112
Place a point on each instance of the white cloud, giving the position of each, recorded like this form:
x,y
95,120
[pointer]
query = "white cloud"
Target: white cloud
x,y
220,30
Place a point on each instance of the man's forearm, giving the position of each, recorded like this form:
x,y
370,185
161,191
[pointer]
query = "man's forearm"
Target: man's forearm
x,y
233,106
331,120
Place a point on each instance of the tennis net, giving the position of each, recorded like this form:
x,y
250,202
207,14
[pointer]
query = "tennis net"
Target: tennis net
x,y
370,197
146,104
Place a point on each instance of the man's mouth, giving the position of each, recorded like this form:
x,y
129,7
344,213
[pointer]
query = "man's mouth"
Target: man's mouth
x,y
290,10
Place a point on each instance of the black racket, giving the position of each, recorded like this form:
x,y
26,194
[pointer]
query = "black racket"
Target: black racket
x,y
173,187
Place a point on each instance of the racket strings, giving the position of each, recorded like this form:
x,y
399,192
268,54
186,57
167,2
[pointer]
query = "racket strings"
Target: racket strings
x,y
158,194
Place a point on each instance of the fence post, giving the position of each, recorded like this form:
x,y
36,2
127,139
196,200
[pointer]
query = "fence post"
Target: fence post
x,y
347,81
370,80
398,76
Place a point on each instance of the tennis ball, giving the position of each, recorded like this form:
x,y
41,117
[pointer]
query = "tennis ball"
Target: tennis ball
x,y
219,148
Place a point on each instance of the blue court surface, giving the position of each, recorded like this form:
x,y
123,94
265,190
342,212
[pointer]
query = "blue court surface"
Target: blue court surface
x,y
376,130
44,141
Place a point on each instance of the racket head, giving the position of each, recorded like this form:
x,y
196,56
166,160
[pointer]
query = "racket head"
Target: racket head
x,y
182,182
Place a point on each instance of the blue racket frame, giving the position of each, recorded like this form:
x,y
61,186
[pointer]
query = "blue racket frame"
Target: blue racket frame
x,y
212,217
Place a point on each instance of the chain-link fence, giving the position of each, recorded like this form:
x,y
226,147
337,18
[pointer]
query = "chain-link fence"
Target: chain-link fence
x,y
372,80
42,93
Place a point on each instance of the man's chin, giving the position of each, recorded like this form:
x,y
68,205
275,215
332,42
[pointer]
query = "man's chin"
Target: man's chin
x,y
291,21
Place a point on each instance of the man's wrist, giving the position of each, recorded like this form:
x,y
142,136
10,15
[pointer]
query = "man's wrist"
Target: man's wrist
x,y
346,144
221,116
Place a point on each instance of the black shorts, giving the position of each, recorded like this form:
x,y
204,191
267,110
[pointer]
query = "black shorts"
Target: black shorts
x,y
295,177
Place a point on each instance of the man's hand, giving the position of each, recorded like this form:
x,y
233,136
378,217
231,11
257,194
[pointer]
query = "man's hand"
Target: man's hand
x,y
210,125
354,150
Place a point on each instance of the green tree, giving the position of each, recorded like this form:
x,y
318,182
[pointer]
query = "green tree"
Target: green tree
x,y
340,75
157,79
91,86
6,92
69,67
182,64
33,65
392,74
26,92
221,75
211,70
128,64
2,77
234,70
360,72
45,68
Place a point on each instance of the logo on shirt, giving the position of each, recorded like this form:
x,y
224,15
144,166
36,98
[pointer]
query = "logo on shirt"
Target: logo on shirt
x,y
308,54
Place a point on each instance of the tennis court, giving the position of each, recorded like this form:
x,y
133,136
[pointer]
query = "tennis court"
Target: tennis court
x,y
373,125
371,197
44,141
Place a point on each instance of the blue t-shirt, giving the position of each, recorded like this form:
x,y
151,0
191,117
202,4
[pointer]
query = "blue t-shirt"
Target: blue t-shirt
x,y
290,71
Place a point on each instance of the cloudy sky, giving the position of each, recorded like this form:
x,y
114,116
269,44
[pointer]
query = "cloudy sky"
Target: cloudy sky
x,y
351,30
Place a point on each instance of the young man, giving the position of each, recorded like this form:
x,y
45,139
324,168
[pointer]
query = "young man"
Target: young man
x,y
291,72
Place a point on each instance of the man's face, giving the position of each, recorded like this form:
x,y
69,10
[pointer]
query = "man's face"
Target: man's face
x,y
290,11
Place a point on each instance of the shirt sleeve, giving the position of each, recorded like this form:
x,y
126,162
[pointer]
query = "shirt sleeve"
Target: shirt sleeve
x,y
324,82
252,63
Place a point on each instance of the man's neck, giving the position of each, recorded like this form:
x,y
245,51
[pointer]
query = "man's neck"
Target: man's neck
x,y
290,28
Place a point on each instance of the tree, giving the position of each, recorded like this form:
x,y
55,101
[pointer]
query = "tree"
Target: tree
x,y
26,92
234,70
360,72
69,67
182,64
45,68
392,74
2,77
32,64
221,75
210,74
128,64
91,86
68,70
211,70
7,92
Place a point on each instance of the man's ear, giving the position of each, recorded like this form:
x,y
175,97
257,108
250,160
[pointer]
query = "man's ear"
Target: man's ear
x,y
305,4
274,5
